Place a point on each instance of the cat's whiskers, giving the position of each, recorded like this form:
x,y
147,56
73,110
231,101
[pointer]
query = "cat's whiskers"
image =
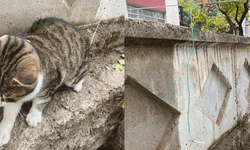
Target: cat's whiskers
x,y
19,112
22,113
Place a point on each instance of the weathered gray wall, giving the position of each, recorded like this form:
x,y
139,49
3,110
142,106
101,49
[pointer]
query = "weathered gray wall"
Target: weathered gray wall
x,y
110,9
18,15
156,58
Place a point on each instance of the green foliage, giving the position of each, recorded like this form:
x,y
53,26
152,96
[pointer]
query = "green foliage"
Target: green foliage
x,y
231,8
187,9
119,66
214,20
123,105
122,61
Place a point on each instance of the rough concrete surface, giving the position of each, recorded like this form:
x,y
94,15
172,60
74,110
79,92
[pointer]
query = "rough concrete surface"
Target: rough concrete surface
x,y
110,34
162,31
235,139
118,143
83,120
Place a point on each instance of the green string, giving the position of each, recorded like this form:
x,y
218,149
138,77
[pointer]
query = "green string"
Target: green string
x,y
189,60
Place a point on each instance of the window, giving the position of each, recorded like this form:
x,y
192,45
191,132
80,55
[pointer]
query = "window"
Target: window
x,y
145,14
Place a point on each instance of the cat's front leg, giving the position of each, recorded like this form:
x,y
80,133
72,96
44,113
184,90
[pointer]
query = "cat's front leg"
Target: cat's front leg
x,y
11,110
35,114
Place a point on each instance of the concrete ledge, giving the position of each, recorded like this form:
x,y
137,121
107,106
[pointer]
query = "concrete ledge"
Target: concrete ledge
x,y
156,30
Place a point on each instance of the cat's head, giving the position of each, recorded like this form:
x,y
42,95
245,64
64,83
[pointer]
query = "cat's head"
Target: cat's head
x,y
19,68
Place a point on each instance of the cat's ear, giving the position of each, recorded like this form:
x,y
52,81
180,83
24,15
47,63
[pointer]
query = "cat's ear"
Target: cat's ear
x,y
27,72
26,78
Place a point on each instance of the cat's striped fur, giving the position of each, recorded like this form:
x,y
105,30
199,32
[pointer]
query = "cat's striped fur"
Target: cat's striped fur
x,y
51,53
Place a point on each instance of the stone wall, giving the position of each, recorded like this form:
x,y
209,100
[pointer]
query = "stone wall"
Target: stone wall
x,y
17,16
156,60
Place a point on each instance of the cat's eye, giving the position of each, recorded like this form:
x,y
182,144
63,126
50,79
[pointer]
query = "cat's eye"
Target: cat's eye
x,y
10,100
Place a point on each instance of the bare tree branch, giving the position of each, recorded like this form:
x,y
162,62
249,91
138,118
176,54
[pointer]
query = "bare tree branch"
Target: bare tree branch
x,y
224,12
236,15
246,8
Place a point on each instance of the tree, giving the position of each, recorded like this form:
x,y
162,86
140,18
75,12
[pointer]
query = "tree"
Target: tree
x,y
224,18
244,13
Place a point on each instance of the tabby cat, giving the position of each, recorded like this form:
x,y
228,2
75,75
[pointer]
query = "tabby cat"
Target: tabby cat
x,y
51,53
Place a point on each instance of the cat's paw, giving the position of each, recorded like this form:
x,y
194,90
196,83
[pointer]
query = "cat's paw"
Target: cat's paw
x,y
4,136
33,118
78,86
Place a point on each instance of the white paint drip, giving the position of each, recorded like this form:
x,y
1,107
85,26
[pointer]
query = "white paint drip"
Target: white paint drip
x,y
199,142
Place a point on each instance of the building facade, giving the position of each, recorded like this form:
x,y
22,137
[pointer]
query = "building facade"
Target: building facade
x,y
160,12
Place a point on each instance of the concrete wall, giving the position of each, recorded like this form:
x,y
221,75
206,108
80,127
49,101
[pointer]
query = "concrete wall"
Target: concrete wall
x,y
156,58
18,15
172,12
110,9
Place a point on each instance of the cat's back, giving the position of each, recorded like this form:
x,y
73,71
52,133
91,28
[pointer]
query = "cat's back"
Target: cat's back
x,y
52,24
63,51
57,39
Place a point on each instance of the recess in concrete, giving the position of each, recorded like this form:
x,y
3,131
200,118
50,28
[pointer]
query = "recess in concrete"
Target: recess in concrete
x,y
150,123
243,88
214,96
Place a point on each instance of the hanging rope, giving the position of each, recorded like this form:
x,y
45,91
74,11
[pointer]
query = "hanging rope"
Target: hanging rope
x,y
98,24
189,61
